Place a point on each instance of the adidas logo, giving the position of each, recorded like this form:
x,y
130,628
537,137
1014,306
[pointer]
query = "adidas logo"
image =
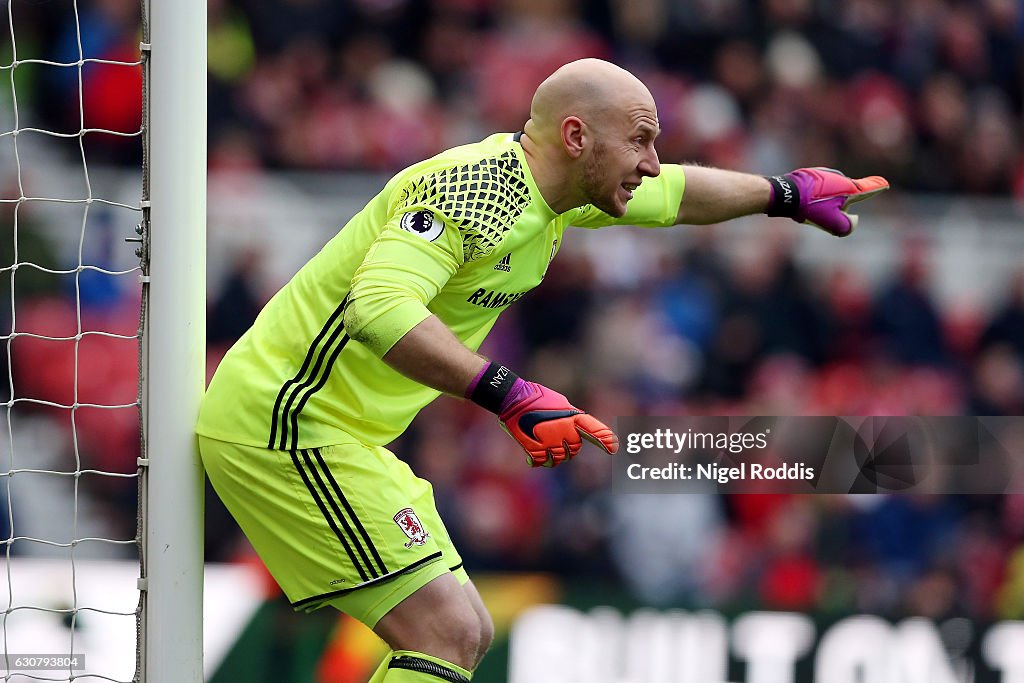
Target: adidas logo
x,y
504,264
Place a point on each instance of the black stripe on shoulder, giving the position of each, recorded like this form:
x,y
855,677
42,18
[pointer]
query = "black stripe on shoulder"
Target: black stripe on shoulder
x,y
275,424
352,513
327,515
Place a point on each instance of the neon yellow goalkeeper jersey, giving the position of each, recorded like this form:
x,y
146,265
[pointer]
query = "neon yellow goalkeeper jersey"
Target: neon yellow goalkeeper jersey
x,y
461,235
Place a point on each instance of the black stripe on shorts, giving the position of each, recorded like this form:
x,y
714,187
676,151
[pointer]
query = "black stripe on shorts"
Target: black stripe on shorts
x,y
374,572
327,515
352,514
299,604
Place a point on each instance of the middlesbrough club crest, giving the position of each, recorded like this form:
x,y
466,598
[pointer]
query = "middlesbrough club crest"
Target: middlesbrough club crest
x,y
410,524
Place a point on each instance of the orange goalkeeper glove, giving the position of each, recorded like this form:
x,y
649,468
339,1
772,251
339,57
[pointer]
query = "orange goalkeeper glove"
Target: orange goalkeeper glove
x,y
549,428
820,196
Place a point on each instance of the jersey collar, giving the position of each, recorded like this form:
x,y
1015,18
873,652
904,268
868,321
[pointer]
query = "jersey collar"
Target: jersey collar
x,y
528,174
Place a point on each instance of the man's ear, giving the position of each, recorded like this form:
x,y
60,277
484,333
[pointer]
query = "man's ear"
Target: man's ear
x,y
574,136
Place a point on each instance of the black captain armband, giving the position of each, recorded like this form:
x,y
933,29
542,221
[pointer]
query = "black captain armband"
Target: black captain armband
x,y
785,199
492,386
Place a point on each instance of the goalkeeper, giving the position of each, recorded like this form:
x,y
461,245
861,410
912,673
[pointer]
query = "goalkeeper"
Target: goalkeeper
x,y
389,315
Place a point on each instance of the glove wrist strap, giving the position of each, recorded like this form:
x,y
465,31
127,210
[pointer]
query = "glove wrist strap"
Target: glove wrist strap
x,y
491,387
785,199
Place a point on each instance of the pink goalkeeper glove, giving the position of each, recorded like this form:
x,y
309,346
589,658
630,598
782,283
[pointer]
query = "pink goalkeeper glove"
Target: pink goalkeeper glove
x,y
819,196
549,428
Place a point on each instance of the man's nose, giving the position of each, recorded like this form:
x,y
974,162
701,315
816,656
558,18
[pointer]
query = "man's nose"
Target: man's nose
x,y
650,165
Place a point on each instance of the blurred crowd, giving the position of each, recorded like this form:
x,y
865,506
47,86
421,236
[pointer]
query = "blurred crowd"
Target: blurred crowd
x,y
926,92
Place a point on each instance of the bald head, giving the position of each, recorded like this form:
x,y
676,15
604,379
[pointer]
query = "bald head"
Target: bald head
x,y
590,137
590,89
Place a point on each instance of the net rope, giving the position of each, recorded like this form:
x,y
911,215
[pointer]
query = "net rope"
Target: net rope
x,y
18,465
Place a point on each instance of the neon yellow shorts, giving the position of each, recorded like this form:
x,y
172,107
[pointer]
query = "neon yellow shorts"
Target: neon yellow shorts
x,y
348,525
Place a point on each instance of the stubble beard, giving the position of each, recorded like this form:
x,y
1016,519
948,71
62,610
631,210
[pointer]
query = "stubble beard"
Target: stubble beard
x,y
592,182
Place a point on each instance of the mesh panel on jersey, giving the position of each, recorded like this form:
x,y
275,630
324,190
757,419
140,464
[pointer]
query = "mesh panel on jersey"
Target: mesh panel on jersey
x,y
484,200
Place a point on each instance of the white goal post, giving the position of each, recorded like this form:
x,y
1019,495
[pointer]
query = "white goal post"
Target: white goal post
x,y
174,339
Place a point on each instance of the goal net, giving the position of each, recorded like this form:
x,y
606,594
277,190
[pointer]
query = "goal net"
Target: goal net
x,y
76,573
